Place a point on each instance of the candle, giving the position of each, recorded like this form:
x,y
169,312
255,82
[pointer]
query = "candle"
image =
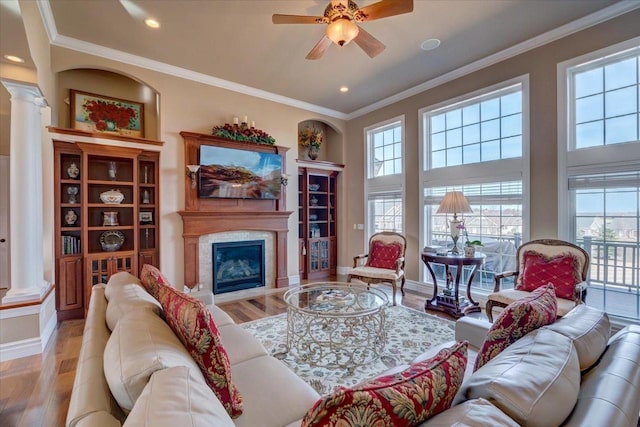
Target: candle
x,y
253,124
245,120
235,120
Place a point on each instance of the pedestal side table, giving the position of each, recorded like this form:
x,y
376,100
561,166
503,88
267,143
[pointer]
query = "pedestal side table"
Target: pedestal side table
x,y
449,300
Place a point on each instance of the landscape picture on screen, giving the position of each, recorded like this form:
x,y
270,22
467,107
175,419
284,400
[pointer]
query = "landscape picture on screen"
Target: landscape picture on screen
x,y
239,174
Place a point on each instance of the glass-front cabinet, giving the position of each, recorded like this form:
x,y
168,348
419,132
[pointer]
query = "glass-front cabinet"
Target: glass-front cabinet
x,y
317,219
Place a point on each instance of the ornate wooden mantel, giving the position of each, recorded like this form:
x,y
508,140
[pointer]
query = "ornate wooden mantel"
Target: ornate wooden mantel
x,y
207,216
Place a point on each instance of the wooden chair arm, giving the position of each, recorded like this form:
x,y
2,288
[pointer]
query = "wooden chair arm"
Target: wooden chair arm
x,y
580,292
399,264
498,278
357,257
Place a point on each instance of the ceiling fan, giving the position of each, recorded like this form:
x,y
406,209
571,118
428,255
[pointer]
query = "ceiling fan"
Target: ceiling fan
x,y
341,17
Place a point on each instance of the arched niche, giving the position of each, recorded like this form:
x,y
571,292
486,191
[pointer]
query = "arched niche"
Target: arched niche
x,y
108,83
331,148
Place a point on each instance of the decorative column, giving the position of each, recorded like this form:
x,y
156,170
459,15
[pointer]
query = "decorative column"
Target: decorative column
x,y
25,194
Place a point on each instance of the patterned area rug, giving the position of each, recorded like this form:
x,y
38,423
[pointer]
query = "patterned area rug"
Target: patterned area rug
x,y
409,334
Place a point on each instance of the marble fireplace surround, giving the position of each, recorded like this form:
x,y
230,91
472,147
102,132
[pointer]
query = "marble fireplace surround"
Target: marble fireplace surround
x,y
200,229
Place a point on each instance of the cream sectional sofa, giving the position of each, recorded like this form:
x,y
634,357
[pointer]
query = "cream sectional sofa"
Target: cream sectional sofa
x,y
133,371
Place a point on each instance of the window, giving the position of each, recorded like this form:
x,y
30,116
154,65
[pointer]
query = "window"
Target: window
x,y
599,171
605,100
480,131
477,144
384,193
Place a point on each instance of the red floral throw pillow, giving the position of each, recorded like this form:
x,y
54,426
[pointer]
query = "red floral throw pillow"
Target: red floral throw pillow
x,y
404,399
193,324
384,256
517,320
560,270
152,279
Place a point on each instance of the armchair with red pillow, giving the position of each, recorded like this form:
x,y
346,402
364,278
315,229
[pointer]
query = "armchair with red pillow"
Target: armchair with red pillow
x,y
384,263
538,263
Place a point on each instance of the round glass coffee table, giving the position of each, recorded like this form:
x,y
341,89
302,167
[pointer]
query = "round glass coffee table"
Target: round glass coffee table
x,y
333,324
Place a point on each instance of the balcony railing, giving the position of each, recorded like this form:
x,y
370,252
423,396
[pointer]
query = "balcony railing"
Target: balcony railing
x,y
613,283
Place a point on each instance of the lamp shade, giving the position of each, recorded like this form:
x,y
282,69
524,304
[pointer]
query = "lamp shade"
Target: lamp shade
x,y
342,31
454,202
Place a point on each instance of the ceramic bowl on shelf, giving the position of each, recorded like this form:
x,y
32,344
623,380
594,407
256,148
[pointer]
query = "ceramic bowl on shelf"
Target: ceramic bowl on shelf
x,y
314,187
112,197
313,217
111,240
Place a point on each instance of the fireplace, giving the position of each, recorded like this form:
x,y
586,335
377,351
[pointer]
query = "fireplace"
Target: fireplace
x,y
238,265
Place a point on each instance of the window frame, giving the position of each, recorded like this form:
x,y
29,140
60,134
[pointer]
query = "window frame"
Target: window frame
x,y
383,185
510,169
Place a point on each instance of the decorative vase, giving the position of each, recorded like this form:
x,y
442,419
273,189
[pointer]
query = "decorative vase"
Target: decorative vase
x,y
313,152
111,125
73,171
113,170
72,192
70,217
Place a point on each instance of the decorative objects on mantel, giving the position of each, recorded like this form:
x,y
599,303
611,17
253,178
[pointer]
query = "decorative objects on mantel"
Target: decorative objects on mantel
x,y
454,202
243,132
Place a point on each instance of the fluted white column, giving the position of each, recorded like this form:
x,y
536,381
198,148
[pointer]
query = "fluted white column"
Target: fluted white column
x,y
25,194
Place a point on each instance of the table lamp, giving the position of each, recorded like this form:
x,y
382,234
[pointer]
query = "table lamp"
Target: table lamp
x,y
454,202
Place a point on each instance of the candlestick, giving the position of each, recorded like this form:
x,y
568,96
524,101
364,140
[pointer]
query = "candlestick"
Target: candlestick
x,y
245,120
235,120
253,124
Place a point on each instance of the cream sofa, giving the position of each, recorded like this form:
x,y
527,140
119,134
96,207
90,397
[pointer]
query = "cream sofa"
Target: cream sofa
x,y
148,366
570,373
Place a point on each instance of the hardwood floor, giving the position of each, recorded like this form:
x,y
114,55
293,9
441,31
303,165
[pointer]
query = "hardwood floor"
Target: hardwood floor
x,y
35,391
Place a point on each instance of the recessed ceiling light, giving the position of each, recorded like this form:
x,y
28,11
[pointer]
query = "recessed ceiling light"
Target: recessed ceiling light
x,y
152,23
430,44
13,58
344,89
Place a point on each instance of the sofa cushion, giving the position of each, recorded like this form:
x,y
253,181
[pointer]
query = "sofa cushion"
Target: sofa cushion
x,y
472,413
384,256
121,278
140,344
535,381
561,270
194,325
273,395
175,397
516,320
589,328
151,278
403,399
609,391
124,298
239,344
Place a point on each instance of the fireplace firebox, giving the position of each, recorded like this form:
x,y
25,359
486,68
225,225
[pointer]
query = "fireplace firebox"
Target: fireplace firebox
x,y
238,265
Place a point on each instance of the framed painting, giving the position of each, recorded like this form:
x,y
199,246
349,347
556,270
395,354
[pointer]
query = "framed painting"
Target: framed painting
x,y
98,113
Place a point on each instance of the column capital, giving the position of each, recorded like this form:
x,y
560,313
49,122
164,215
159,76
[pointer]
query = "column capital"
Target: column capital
x,y
24,91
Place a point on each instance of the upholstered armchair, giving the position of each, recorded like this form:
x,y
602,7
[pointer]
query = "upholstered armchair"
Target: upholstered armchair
x,y
543,261
384,263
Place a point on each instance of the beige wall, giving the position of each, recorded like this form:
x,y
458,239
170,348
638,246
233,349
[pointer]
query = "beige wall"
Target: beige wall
x,y
196,107
541,65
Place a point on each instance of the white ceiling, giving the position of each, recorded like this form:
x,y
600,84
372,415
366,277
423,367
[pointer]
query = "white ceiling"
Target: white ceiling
x,y
235,43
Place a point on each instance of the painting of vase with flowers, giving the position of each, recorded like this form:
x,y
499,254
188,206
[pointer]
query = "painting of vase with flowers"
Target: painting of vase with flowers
x,y
98,113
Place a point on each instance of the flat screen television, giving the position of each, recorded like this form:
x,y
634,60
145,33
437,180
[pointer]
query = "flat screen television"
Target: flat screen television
x,y
230,173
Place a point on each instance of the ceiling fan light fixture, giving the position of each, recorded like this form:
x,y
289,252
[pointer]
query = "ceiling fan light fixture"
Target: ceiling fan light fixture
x,y
342,31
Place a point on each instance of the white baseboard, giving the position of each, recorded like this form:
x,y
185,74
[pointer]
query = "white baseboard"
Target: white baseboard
x,y
18,349
45,336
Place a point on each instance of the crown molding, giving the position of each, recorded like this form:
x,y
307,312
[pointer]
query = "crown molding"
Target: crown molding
x,y
595,18
57,39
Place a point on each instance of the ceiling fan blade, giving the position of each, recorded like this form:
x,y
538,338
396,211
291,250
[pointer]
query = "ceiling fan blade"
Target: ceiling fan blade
x,y
372,46
385,8
295,19
320,48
